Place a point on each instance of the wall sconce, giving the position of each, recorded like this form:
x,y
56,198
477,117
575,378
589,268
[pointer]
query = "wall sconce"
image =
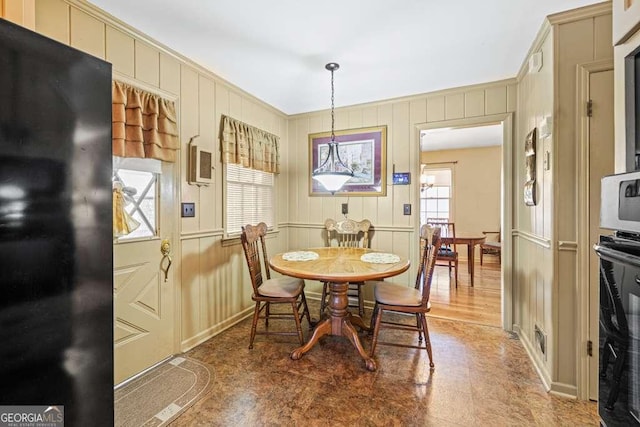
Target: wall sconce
x,y
426,181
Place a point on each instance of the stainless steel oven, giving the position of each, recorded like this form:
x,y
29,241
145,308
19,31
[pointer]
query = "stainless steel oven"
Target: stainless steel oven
x,y
619,342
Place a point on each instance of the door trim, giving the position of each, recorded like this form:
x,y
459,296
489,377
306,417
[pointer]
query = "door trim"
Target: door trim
x,y
583,74
173,233
506,209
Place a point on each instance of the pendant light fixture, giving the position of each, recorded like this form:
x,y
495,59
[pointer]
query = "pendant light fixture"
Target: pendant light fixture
x,y
332,173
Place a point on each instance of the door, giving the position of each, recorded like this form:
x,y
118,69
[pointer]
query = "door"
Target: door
x,y
143,278
601,153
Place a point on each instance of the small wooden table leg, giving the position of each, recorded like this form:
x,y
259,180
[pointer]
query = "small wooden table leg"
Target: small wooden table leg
x,y
470,250
350,332
356,320
322,328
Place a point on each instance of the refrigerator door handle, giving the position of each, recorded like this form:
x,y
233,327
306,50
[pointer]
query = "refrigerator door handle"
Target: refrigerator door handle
x,y
165,249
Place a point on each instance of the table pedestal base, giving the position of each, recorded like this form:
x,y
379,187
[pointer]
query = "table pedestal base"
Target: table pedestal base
x,y
340,322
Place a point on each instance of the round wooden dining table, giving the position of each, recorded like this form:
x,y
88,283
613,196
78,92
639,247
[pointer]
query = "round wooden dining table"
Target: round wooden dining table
x,y
339,266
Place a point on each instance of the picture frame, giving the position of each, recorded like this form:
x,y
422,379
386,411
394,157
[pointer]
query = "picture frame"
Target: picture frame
x,y
530,168
364,150
626,20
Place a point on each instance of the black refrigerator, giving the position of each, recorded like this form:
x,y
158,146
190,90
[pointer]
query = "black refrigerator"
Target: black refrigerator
x,y
56,259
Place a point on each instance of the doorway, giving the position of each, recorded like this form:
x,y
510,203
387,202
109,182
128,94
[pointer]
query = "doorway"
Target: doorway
x,y
480,201
463,167
595,81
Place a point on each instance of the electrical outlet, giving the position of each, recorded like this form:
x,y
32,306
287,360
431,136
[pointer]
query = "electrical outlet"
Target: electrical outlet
x,y
406,208
188,210
345,208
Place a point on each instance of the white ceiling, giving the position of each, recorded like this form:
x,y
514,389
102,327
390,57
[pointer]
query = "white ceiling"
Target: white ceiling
x,y
468,137
276,50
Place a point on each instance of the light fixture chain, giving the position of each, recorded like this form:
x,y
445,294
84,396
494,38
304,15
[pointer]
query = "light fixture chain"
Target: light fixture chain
x,y
333,135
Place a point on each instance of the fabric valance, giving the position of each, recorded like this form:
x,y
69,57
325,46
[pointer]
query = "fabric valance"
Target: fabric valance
x,y
144,124
249,146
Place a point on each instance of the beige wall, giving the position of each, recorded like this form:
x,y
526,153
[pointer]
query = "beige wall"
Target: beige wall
x,y
476,191
213,281
19,11
393,231
545,241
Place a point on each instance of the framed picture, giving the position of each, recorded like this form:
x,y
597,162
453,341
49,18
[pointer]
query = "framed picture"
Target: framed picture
x,y
363,150
530,169
626,19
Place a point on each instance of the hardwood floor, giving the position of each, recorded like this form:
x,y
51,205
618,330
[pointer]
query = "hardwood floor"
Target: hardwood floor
x,y
480,304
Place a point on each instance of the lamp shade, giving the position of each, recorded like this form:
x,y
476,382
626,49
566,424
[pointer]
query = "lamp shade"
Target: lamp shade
x,y
332,181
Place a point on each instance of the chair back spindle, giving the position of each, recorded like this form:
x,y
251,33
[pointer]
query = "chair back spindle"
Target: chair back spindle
x,y
253,242
430,236
447,255
347,233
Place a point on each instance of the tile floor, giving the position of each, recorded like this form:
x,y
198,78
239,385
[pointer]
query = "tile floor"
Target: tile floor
x,y
482,377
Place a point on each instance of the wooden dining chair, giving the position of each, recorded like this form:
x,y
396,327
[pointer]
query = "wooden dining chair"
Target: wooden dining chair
x,y
402,299
448,252
281,290
491,246
347,233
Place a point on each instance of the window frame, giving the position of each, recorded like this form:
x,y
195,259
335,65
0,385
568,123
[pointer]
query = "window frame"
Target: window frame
x,y
451,187
234,235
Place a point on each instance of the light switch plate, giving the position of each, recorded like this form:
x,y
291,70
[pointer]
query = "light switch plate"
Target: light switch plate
x,y
188,210
406,208
546,160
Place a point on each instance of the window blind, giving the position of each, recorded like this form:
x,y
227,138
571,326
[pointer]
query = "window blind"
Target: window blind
x,y
250,198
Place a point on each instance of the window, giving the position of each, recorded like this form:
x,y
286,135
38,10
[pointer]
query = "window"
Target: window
x,y
250,198
435,201
141,193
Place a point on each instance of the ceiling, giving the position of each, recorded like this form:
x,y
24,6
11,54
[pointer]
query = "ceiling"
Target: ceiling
x,y
276,50
456,138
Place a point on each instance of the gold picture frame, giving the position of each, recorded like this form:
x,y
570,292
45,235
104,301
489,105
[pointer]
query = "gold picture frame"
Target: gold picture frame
x,y
364,150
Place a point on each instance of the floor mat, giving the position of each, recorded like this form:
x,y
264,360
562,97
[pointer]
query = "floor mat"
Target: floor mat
x,y
157,397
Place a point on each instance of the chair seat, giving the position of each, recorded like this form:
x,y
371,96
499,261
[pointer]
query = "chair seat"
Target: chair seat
x,y
281,287
446,253
492,245
390,294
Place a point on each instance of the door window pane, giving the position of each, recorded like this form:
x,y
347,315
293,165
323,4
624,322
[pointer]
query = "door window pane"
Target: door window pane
x,y
141,196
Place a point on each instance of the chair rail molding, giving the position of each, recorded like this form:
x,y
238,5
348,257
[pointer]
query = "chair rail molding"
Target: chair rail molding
x,y
533,238
373,229
567,246
214,232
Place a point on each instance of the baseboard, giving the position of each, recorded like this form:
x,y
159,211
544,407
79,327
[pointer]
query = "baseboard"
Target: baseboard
x,y
215,330
564,390
535,360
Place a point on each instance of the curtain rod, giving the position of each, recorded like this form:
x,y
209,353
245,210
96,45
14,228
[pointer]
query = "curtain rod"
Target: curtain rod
x,y
441,163
247,124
